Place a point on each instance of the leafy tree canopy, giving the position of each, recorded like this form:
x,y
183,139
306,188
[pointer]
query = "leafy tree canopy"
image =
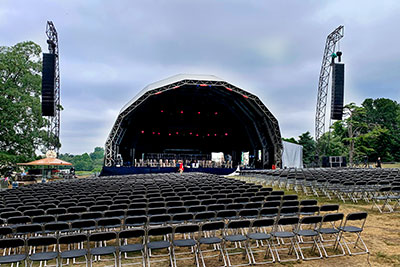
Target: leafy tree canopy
x,y
22,128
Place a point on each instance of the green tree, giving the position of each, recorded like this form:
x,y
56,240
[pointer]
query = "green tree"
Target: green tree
x,y
22,128
308,144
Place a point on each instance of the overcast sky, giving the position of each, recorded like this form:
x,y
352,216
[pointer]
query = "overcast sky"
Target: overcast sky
x,y
110,50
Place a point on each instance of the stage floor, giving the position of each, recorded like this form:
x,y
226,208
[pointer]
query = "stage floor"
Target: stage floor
x,y
140,170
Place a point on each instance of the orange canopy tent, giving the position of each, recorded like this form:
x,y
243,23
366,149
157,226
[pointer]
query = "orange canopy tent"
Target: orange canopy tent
x,y
47,162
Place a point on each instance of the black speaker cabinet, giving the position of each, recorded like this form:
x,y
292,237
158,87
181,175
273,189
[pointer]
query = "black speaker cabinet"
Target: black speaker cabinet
x,y
337,91
48,90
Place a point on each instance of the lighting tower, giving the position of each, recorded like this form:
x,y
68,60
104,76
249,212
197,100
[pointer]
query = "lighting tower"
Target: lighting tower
x,y
54,121
323,83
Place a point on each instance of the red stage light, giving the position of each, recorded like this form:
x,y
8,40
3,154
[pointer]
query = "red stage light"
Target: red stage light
x,y
142,132
203,85
227,88
226,134
175,87
162,111
154,132
245,96
181,111
208,134
169,134
198,112
158,93
215,134
197,134
190,133
216,113
177,132
158,133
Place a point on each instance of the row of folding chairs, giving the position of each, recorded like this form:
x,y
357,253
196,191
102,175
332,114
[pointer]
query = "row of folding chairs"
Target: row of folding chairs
x,y
261,241
97,212
95,221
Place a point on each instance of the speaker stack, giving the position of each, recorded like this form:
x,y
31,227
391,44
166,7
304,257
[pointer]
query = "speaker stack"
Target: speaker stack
x,y
48,89
337,91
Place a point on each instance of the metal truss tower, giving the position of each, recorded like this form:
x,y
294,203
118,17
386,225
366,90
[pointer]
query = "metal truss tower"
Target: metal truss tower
x,y
54,121
323,83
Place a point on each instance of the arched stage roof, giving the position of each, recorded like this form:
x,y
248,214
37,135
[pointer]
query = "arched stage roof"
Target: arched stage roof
x,y
194,114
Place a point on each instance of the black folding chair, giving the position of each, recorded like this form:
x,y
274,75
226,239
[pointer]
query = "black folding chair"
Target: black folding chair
x,y
72,247
307,228
12,251
128,244
184,237
235,239
210,235
259,234
154,244
98,247
347,230
329,233
284,228
45,249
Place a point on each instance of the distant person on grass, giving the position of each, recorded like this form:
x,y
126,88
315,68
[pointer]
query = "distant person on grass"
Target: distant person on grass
x,y
379,163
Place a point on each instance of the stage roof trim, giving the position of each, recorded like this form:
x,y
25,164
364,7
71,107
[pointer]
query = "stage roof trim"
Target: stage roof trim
x,y
171,80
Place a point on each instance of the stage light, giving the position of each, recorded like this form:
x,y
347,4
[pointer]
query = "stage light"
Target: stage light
x,y
158,133
229,89
198,112
162,111
181,111
226,134
216,113
215,134
197,134
245,96
177,132
190,133
203,85
175,87
208,134
154,132
142,132
158,93
169,134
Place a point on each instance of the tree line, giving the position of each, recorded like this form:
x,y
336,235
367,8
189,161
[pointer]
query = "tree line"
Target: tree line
x,y
365,133
86,162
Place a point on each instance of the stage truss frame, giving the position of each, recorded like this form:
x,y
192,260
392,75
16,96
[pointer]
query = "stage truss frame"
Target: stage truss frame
x,y
117,132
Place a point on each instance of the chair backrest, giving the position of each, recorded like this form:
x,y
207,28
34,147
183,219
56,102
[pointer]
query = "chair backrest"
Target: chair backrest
x,y
42,241
205,215
19,220
12,242
104,236
28,228
311,220
288,221
238,224
329,207
356,216
263,223
109,221
43,219
212,226
57,226
136,220
308,202
131,233
333,217
72,239
69,217
5,230
187,228
159,219
159,231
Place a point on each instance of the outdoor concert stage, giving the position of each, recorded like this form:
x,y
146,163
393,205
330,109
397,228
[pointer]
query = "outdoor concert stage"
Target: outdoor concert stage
x,y
187,115
142,170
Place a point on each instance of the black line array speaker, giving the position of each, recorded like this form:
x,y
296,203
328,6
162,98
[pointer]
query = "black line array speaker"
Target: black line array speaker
x,y
337,91
48,90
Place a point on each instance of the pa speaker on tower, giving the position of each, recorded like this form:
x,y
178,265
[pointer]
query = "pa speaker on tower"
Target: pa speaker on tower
x,y
48,89
337,91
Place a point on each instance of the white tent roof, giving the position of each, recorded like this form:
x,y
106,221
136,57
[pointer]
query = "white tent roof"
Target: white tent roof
x,y
170,80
